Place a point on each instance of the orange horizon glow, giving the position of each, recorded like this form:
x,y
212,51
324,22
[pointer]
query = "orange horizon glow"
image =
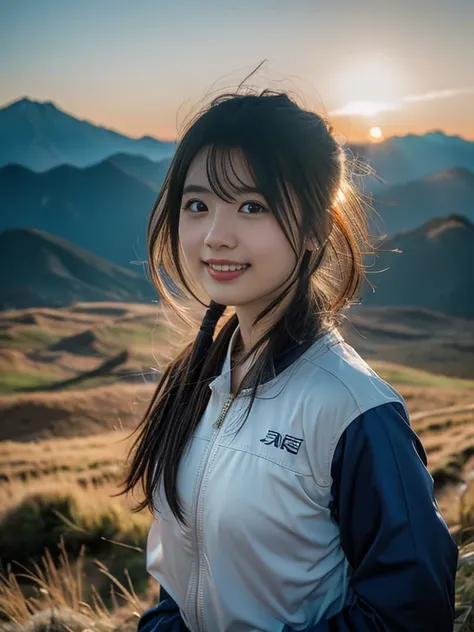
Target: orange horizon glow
x,y
354,133
355,129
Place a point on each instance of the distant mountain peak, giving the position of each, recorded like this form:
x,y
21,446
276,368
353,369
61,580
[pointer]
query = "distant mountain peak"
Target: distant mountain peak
x,y
441,135
431,267
440,224
432,228
50,270
23,102
455,173
147,137
40,135
436,132
26,102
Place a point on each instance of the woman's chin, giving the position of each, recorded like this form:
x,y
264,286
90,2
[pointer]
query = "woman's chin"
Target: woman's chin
x,y
218,294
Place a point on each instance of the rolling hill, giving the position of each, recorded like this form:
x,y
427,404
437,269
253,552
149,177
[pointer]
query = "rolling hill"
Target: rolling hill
x,y
100,208
99,355
434,270
39,269
440,194
40,136
402,159
105,208
412,337
147,171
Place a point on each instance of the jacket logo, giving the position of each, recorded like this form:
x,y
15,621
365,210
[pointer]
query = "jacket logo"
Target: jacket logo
x,y
289,443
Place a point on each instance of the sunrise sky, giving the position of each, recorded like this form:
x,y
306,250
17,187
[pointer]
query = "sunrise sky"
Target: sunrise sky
x,y
142,66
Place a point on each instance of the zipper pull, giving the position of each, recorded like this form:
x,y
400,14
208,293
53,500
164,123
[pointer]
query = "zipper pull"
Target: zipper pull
x,y
217,424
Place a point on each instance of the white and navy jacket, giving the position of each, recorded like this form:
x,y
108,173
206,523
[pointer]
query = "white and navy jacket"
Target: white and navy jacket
x,y
317,515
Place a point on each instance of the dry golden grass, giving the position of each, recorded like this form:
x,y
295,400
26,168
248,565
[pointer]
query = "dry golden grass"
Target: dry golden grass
x,y
42,348
84,470
95,459
42,415
79,461
59,601
70,447
446,436
88,467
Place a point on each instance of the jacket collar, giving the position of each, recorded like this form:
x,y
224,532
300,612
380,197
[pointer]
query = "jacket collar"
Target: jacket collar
x,y
296,350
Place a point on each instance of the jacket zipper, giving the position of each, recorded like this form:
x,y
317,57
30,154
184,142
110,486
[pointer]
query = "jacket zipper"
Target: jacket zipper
x,y
199,608
217,424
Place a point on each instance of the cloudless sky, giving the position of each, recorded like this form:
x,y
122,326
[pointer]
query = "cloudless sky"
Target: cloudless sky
x,y
142,66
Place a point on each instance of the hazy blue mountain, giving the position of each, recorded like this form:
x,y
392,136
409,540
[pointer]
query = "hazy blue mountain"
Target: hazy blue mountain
x,y
407,206
434,270
149,172
39,269
40,136
403,159
100,208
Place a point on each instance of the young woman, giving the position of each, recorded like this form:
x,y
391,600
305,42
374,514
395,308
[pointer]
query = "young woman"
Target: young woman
x,y
288,489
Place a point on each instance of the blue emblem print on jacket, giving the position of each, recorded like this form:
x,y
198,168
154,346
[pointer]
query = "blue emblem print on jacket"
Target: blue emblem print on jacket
x,y
289,443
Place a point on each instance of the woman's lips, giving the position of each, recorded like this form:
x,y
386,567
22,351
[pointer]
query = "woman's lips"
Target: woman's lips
x,y
220,275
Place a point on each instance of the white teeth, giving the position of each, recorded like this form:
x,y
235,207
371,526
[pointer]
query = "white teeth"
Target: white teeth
x,y
227,268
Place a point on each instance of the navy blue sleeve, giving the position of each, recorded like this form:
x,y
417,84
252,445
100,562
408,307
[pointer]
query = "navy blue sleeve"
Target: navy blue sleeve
x,y
165,617
402,555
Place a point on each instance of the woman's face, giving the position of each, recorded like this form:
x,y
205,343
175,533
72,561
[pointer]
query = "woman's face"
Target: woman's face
x,y
243,232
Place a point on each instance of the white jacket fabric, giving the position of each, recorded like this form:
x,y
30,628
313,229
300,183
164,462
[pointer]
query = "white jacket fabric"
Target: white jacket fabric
x,y
261,550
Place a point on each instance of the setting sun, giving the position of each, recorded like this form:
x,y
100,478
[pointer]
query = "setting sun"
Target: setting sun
x,y
376,134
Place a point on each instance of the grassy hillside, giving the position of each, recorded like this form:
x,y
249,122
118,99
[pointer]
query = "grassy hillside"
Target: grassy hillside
x,y
47,347
61,490
65,419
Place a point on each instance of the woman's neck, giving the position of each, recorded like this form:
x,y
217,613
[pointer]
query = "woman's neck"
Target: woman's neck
x,y
247,314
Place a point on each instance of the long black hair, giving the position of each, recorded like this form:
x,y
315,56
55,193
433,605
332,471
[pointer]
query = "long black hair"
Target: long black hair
x,y
302,173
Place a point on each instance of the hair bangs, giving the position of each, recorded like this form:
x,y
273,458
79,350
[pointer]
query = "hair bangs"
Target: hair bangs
x,y
223,176
264,176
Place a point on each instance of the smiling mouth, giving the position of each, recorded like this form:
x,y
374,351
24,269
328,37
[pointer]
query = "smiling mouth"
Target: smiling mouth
x,y
226,272
227,267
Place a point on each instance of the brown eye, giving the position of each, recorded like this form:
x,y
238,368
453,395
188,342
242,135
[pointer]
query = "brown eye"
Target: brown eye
x,y
254,208
195,206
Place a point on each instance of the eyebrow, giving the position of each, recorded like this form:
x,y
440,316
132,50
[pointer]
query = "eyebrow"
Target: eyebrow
x,y
197,188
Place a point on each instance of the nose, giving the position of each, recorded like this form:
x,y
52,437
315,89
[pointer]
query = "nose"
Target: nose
x,y
220,232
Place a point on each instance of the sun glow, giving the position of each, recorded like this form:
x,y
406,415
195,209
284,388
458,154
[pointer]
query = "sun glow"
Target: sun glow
x,y
375,134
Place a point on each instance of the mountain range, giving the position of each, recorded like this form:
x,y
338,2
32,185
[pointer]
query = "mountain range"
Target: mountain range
x,y
431,267
101,208
402,159
407,206
105,208
98,205
40,136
